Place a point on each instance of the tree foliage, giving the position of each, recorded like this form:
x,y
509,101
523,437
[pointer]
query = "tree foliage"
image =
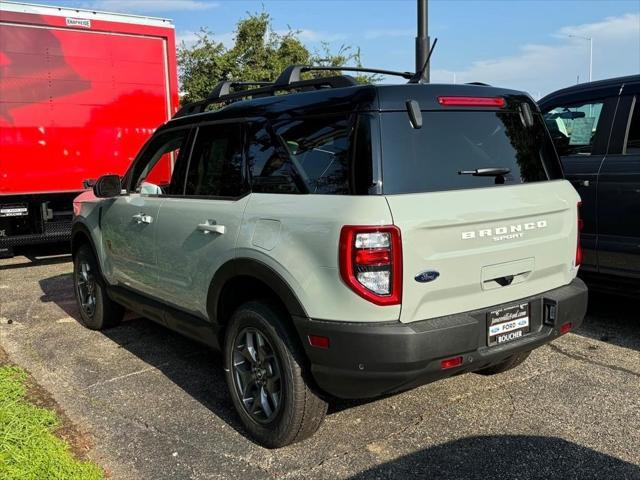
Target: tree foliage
x,y
259,53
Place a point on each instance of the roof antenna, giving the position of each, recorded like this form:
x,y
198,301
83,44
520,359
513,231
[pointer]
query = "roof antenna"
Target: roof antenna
x,y
417,78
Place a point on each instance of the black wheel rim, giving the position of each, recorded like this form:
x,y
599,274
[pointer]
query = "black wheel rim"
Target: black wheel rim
x,y
257,375
86,286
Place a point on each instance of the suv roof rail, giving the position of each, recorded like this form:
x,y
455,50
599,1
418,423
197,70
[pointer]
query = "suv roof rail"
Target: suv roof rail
x,y
292,73
289,79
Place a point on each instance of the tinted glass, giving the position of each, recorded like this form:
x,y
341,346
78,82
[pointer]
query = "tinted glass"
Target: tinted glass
x,y
633,135
311,155
431,158
215,169
154,172
574,127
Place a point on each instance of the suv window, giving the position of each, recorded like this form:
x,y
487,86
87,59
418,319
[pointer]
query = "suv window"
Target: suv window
x,y
633,134
322,155
153,173
215,169
431,158
574,127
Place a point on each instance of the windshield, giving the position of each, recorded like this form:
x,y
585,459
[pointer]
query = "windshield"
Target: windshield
x,y
451,147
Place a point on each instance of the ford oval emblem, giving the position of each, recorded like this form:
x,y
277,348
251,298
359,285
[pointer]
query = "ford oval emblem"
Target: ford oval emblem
x,y
428,276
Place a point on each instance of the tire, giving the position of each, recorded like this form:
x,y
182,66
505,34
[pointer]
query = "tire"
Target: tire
x,y
289,409
511,362
101,312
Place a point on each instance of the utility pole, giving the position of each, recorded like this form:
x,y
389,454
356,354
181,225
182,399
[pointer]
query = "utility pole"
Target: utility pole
x,y
422,39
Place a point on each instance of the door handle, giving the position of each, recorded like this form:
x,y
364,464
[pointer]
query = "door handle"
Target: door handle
x,y
580,183
142,218
211,227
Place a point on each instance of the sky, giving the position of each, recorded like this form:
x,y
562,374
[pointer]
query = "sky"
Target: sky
x,y
521,44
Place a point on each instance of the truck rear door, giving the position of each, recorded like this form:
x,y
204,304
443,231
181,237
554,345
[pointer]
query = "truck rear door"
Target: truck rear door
x,y
580,126
619,191
482,240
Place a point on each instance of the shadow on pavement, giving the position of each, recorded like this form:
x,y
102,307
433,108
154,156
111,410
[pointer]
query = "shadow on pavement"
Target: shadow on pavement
x,y
49,254
505,456
193,367
612,319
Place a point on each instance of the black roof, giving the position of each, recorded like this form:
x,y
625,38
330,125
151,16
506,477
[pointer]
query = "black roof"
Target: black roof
x,y
592,87
348,99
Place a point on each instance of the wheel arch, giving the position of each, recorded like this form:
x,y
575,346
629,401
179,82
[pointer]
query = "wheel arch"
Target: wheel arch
x,y
80,235
244,279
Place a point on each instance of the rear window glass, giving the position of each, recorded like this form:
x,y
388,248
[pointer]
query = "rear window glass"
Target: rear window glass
x,y
328,155
451,145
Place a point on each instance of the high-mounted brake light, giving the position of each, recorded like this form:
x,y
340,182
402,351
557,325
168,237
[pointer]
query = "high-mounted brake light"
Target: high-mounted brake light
x,y
371,262
579,244
472,101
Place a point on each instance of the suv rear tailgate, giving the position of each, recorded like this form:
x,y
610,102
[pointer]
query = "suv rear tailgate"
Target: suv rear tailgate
x,y
478,239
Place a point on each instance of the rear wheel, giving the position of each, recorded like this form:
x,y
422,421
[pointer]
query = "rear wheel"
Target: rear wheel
x,y
97,310
511,362
266,377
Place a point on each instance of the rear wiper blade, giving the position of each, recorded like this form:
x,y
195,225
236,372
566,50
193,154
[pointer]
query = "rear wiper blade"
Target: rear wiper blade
x,y
486,172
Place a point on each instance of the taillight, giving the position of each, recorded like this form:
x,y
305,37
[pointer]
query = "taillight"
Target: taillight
x,y
498,102
579,245
371,262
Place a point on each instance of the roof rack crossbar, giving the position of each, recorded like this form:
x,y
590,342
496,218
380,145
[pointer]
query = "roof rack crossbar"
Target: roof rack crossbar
x,y
293,73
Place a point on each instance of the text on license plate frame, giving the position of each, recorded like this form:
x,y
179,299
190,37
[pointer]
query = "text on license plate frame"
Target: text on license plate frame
x,y
507,324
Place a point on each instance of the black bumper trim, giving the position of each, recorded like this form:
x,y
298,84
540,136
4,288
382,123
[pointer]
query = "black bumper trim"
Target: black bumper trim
x,y
367,360
54,232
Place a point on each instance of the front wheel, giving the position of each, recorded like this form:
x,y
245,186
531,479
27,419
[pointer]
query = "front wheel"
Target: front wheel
x,y
97,310
265,375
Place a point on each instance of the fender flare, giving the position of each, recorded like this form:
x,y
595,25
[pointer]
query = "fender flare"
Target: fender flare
x,y
259,271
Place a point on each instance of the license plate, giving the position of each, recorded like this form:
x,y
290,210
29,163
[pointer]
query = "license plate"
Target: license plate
x,y
13,210
508,324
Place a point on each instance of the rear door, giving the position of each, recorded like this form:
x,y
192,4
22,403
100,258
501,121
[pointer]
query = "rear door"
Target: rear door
x,y
580,128
198,229
490,239
619,191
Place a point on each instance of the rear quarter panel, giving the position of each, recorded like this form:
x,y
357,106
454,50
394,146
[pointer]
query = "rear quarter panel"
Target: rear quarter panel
x,y
298,236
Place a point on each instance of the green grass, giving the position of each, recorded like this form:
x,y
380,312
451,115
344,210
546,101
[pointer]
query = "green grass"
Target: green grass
x,y
28,447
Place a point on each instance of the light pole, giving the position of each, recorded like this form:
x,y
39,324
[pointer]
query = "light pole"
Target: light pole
x,y
590,53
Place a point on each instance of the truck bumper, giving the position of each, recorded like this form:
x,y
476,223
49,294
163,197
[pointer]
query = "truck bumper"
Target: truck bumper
x,y
366,360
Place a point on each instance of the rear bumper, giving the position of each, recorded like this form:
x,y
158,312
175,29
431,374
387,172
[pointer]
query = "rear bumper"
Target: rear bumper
x,y
366,360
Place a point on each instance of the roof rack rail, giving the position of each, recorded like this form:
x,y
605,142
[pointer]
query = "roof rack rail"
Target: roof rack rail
x,y
292,73
289,79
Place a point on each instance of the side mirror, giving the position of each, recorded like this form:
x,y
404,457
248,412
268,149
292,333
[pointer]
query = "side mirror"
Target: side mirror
x,y
107,186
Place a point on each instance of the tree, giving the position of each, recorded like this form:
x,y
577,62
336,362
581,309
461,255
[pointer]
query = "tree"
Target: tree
x,y
259,53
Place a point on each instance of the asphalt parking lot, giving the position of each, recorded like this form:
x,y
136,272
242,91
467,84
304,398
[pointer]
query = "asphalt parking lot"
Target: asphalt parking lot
x,y
156,406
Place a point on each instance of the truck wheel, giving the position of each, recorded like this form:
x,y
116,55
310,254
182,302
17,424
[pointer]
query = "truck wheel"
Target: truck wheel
x,y
511,362
97,310
266,378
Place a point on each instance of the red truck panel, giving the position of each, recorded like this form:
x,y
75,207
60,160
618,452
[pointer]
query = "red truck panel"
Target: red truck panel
x,y
78,102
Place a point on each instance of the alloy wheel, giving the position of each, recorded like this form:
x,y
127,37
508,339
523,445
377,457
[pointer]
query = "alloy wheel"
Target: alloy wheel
x,y
86,285
257,375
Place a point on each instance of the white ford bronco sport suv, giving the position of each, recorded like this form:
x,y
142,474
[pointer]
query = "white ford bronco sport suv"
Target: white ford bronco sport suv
x,y
339,240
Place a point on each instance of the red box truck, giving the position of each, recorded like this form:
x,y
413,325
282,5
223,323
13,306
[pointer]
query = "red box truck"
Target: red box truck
x,y
80,92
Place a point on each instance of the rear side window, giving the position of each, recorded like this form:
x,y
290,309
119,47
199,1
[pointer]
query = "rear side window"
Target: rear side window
x,y
632,146
451,145
574,127
215,169
320,155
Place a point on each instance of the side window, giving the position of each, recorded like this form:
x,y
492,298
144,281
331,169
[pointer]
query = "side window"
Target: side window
x,y
270,167
574,127
632,146
154,172
306,155
215,169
